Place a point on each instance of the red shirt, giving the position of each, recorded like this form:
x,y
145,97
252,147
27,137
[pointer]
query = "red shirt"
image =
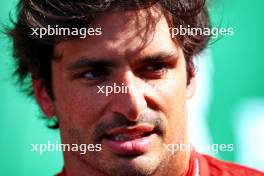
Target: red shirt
x,y
204,165
210,166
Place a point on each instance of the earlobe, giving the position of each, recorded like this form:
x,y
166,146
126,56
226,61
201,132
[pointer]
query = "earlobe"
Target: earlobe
x,y
190,88
44,100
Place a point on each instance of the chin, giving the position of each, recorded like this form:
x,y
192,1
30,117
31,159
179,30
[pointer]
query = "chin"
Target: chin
x,y
142,165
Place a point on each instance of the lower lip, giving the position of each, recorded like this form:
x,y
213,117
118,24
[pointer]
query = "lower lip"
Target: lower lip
x,y
133,147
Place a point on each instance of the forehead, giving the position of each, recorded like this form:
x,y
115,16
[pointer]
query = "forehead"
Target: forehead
x,y
124,34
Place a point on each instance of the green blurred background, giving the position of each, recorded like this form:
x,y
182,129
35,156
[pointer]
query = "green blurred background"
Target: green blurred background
x,y
234,112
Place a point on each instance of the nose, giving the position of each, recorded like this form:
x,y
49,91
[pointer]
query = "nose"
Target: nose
x,y
131,102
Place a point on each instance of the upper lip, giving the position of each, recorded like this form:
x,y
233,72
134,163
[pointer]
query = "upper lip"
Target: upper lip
x,y
131,130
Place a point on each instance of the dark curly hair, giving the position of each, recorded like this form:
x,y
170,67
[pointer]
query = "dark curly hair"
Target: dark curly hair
x,y
33,54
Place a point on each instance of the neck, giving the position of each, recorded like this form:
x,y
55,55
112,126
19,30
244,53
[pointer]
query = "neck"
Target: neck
x,y
179,165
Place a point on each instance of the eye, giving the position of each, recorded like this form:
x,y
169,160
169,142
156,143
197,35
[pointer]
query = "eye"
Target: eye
x,y
95,74
154,70
156,67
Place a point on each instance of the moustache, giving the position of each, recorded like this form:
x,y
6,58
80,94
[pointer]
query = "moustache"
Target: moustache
x,y
120,120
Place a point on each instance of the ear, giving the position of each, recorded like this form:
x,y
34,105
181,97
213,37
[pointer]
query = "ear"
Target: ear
x,y
44,100
190,88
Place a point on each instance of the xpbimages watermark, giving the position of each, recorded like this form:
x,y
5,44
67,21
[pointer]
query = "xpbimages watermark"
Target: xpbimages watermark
x,y
126,89
64,31
57,147
190,31
207,148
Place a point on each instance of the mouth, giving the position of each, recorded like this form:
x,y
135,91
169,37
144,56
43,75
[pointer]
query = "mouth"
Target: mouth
x,y
128,137
134,140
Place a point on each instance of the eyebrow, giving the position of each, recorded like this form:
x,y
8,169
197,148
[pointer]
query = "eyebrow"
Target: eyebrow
x,y
159,57
85,62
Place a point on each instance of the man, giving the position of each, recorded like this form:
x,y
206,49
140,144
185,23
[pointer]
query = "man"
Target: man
x,y
130,43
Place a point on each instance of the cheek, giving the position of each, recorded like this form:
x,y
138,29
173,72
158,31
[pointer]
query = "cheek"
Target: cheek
x,y
76,105
175,109
78,113
175,97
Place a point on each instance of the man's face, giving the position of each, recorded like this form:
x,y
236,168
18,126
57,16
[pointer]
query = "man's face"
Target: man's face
x,y
133,126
